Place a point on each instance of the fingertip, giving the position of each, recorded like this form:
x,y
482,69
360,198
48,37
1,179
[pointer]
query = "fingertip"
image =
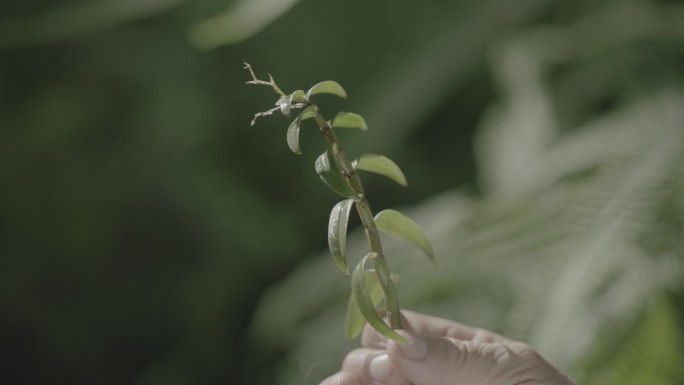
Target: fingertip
x,y
416,349
425,360
370,338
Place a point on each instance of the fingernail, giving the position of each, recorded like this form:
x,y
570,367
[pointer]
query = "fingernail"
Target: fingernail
x,y
380,367
417,348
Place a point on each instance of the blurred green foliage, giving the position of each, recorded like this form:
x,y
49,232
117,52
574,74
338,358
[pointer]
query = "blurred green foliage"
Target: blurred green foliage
x,y
142,218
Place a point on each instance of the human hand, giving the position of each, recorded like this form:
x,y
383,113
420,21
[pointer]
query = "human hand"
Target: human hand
x,y
443,352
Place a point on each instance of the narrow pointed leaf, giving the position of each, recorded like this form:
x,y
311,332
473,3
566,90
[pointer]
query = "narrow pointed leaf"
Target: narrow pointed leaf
x,y
361,293
382,165
327,87
349,120
337,233
394,223
293,136
332,176
354,320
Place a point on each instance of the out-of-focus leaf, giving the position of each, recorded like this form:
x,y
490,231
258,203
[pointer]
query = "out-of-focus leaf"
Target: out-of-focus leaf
x,y
293,136
394,223
239,23
354,320
349,120
382,165
327,87
434,67
337,233
362,296
332,176
649,354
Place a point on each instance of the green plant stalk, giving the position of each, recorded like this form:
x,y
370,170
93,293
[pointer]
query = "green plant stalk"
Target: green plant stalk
x,y
367,220
346,168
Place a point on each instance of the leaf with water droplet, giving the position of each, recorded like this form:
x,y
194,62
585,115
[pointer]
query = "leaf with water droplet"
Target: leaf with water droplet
x,y
337,233
332,176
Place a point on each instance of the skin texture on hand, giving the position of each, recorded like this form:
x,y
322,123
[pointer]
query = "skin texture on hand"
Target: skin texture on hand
x,y
444,352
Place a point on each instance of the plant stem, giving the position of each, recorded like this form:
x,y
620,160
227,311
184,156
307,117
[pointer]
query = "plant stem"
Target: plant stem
x,y
365,213
368,221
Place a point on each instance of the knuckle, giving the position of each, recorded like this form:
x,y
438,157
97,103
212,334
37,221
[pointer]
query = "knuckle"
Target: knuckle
x,y
525,351
520,363
457,353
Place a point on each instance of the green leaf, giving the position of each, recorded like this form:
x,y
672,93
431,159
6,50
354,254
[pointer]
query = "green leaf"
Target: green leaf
x,y
354,320
394,223
349,120
382,165
332,176
337,233
308,113
293,130
364,302
293,136
327,87
298,97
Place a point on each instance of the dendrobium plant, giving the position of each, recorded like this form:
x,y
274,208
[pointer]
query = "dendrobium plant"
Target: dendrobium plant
x,y
373,291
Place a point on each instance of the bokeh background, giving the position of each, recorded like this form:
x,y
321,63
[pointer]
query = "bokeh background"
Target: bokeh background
x,y
149,235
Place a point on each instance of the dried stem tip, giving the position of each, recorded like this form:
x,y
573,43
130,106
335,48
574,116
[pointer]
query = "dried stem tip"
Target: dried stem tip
x,y
270,82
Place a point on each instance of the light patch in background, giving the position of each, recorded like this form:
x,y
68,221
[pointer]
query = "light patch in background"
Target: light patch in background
x,y
238,24
70,21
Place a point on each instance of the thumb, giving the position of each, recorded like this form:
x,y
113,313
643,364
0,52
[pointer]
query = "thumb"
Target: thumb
x,y
448,361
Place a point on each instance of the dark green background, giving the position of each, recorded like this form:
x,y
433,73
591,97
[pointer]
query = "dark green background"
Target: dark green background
x,y
141,217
